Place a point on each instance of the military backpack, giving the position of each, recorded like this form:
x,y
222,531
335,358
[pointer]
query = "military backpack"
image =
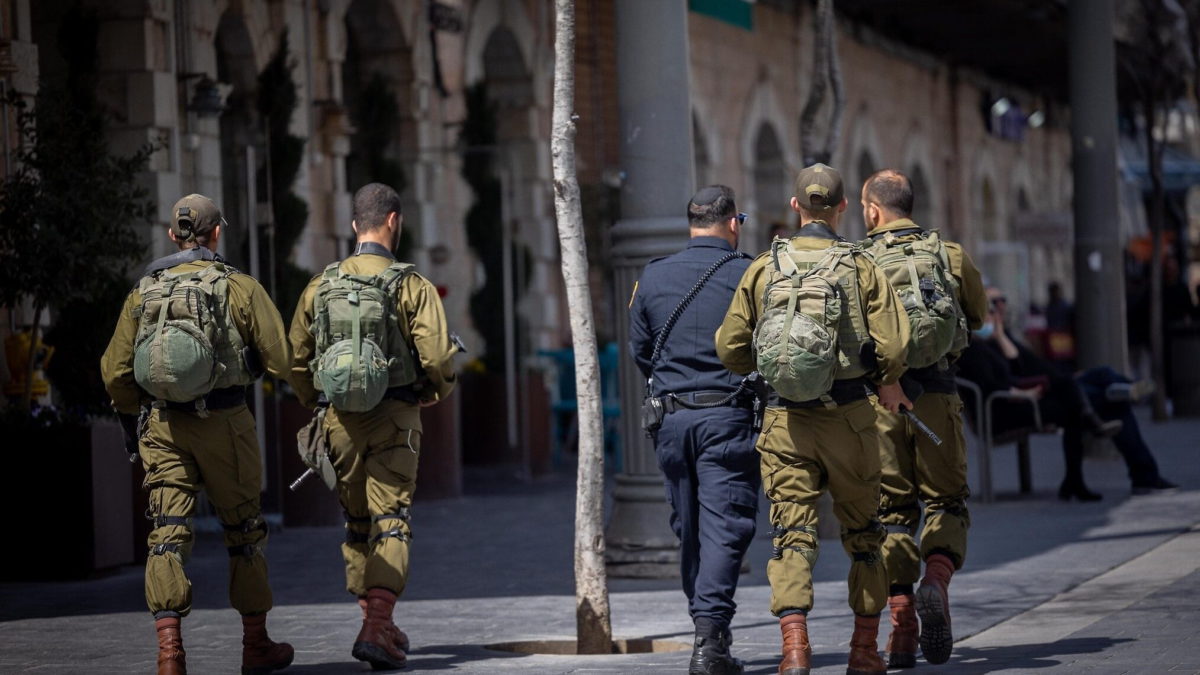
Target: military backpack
x,y
186,342
361,350
812,329
919,270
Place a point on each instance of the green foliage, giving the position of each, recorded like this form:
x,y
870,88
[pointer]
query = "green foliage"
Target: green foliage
x,y
69,210
79,335
375,116
276,102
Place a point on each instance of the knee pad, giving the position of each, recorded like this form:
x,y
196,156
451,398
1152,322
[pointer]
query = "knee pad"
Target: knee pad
x,y
806,543
247,534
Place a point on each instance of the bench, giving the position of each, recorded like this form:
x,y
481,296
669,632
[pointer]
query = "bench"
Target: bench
x,y
981,426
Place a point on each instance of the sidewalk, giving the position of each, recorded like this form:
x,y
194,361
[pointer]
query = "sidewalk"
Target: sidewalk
x,y
1106,587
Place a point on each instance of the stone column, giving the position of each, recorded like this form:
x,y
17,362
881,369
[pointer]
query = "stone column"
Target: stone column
x,y
656,156
1099,266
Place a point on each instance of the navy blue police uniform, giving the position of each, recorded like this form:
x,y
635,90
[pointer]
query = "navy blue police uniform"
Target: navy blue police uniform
x,y
707,455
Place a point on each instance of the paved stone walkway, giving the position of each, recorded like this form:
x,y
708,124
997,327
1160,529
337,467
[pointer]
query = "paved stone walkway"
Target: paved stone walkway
x,y
1049,587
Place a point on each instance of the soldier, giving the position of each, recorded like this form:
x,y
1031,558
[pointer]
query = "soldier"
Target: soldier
x,y
190,338
915,469
371,347
827,438
705,445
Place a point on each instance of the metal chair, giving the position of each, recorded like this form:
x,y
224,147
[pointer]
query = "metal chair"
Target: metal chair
x,y
982,423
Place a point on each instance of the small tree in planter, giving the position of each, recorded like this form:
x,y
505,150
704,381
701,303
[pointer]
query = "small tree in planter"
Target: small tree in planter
x,y
69,210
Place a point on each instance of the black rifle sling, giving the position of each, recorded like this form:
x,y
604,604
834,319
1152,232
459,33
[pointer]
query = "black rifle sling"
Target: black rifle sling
x,y
661,339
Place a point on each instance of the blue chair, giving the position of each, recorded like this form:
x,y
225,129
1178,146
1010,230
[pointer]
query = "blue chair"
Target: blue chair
x,y
564,406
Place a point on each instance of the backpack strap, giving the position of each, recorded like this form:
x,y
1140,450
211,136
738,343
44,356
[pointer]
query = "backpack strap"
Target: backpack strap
x,y
333,271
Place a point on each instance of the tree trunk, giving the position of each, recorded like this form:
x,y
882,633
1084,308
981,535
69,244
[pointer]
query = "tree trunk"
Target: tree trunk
x,y
835,83
592,621
809,151
27,394
1154,160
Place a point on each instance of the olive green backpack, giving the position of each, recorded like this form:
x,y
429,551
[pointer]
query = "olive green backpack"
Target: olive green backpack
x,y
805,339
919,271
360,350
186,344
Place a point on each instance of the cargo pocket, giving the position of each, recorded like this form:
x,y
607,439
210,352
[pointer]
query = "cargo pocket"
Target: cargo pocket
x,y
246,452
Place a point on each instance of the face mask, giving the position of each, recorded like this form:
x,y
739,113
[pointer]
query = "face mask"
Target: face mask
x,y
986,331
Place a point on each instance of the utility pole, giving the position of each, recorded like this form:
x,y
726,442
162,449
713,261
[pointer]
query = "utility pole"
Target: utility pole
x,y
1099,264
656,156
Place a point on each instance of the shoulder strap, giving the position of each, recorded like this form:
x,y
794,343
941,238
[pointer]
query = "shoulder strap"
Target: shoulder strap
x,y
661,338
332,271
184,256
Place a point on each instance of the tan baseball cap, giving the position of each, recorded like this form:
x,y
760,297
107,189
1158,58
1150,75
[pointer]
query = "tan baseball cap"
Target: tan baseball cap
x,y
819,187
194,215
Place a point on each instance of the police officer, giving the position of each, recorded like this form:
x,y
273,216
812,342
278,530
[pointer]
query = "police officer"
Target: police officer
x,y
806,446
705,446
374,453
208,443
915,469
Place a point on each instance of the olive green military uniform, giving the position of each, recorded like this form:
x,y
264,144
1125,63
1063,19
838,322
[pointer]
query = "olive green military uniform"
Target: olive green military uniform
x,y
184,452
806,449
914,468
375,453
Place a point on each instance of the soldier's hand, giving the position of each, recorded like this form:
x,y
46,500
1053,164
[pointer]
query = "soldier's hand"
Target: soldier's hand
x,y
891,396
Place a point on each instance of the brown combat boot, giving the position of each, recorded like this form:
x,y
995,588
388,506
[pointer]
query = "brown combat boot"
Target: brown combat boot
x,y
864,648
171,658
797,654
380,642
902,643
260,654
933,605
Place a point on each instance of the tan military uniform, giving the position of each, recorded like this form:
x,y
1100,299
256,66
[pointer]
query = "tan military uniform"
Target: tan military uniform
x,y
183,453
914,468
803,450
375,453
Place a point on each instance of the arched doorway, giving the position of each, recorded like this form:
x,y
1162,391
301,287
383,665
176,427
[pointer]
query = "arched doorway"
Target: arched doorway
x,y
855,228
923,210
377,79
770,185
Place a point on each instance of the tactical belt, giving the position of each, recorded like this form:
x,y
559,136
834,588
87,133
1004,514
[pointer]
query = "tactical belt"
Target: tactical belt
x,y
217,399
405,394
843,392
689,400
934,380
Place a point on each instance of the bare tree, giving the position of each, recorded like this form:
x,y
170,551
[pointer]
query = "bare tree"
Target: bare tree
x,y
592,620
826,73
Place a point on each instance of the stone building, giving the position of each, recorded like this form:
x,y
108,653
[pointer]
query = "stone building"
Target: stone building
x,y
393,81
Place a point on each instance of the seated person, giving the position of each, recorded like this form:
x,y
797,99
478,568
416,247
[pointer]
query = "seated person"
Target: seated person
x,y
1097,401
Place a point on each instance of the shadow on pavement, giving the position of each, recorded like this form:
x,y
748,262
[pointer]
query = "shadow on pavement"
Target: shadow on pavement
x,y
1027,656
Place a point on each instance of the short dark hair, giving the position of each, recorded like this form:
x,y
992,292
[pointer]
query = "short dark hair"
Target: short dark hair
x,y
710,206
892,190
372,204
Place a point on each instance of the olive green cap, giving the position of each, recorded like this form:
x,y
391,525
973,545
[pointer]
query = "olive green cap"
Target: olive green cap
x,y
194,215
819,187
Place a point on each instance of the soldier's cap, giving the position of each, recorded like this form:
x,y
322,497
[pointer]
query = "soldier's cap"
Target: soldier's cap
x,y
819,187
194,215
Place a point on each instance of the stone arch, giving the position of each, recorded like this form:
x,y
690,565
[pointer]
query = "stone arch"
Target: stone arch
x,y
864,161
987,203
918,164
485,18
769,160
237,63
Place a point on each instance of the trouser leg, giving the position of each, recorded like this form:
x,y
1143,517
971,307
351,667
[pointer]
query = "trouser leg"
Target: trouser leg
x,y
231,466
791,478
391,482
942,478
172,479
346,454
849,450
674,452
899,511
727,478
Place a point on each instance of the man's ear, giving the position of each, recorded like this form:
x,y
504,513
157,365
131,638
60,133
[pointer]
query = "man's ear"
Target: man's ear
x,y
842,206
216,235
171,234
354,226
795,204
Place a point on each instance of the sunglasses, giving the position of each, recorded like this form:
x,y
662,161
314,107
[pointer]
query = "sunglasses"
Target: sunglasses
x,y
741,218
999,300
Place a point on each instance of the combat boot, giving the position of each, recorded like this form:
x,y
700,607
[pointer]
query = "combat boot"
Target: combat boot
x,y
933,606
171,657
797,654
902,643
380,642
261,654
864,647
710,654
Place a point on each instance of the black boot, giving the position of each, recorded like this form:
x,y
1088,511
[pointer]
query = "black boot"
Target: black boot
x,y
710,655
